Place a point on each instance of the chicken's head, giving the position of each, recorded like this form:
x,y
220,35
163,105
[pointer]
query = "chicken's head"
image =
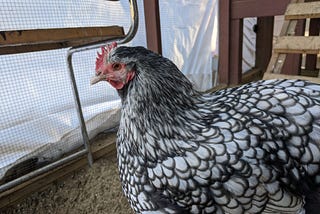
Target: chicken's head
x,y
139,70
108,69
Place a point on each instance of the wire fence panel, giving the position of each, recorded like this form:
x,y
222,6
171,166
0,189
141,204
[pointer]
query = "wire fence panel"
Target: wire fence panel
x,y
38,118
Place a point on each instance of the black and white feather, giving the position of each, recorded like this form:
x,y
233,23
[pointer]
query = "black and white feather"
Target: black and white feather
x,y
249,149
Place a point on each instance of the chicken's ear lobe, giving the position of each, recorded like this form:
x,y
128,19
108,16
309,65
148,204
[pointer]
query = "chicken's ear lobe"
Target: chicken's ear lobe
x,y
131,66
131,71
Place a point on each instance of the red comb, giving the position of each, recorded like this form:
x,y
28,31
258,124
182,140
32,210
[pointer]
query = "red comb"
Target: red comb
x,y
104,53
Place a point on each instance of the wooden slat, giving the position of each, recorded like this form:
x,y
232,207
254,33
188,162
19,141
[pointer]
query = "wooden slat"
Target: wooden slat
x,y
224,41
297,44
311,60
292,62
284,76
303,10
100,147
289,44
264,41
152,23
257,8
47,39
236,54
277,59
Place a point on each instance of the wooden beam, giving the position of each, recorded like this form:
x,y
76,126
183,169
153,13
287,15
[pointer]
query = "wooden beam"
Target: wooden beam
x,y
257,8
224,45
292,61
311,60
47,39
153,28
100,147
298,44
284,76
264,42
303,10
287,63
236,41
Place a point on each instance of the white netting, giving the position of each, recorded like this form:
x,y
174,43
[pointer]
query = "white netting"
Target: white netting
x,y
189,32
38,120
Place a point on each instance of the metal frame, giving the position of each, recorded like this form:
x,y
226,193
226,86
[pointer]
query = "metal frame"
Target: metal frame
x,y
87,150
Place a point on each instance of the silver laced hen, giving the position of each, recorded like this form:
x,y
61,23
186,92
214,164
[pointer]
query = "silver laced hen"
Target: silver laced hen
x,y
249,149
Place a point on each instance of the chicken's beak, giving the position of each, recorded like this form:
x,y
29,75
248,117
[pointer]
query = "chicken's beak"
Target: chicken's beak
x,y
98,78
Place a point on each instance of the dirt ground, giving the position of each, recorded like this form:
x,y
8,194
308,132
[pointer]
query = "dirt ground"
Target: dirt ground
x,y
88,190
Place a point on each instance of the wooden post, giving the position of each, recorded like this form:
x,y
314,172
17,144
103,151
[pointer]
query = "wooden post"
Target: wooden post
x,y
152,22
292,63
264,42
235,62
224,47
231,14
311,60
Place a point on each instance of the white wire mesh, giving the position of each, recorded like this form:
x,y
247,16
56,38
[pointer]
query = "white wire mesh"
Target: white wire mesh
x,y
38,120
27,14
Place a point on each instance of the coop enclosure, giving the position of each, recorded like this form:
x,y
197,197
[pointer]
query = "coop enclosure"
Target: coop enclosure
x,y
40,126
48,110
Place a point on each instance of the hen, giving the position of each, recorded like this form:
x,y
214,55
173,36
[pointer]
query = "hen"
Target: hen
x,y
249,149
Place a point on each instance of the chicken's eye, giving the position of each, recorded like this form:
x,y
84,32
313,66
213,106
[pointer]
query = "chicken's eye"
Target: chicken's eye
x,y
116,66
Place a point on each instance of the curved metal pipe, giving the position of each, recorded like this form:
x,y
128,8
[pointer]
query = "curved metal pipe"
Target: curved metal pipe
x,y
134,23
120,40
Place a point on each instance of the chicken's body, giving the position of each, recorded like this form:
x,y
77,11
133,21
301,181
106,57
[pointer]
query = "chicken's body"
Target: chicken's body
x,y
250,149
